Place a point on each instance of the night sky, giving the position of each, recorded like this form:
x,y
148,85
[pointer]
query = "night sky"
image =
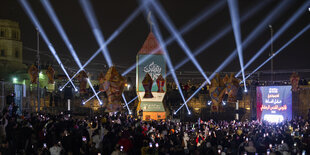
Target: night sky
x,y
110,14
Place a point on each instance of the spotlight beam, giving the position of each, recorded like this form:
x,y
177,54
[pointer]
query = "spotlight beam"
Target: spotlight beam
x,y
274,14
87,62
88,11
91,86
166,21
91,97
208,12
110,39
126,104
283,47
204,15
37,24
51,13
166,55
220,34
131,100
188,99
129,19
287,24
234,16
91,17
277,11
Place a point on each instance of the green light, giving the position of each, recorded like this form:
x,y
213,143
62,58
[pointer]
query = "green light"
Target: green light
x,y
40,75
14,80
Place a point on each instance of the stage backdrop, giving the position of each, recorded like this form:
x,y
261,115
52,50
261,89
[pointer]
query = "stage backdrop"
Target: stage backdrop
x,y
274,103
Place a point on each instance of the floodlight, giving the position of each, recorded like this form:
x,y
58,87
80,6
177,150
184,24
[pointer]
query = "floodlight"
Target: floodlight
x,y
209,102
14,79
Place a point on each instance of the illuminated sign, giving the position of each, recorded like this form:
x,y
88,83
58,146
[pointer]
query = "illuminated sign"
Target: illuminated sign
x,y
152,104
274,103
157,97
276,107
273,118
153,69
155,66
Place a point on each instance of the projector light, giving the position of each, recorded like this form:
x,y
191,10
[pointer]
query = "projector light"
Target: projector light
x,y
209,102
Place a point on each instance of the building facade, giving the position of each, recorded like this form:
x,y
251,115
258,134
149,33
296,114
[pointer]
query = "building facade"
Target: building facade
x,y
11,46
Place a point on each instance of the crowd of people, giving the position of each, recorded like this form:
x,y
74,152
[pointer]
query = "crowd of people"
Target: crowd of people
x,y
118,133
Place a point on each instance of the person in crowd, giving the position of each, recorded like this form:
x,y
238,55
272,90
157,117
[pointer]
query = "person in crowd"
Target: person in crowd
x,y
96,140
199,139
55,149
185,141
38,133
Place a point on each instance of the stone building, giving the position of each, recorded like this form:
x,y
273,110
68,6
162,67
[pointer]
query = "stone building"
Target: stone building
x,y
11,46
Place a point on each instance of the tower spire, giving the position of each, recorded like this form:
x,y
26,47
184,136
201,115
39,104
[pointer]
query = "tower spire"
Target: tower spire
x,y
149,20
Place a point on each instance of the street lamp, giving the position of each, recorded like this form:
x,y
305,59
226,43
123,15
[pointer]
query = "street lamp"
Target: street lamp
x,y
271,51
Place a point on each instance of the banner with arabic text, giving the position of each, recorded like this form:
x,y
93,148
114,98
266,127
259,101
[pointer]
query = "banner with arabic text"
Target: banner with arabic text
x,y
155,66
274,103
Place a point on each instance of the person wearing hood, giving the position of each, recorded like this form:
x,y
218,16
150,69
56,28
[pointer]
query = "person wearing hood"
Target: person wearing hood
x,y
96,139
185,140
250,148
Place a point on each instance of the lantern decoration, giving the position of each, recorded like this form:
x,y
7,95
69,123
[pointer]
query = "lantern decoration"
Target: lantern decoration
x,y
232,88
226,79
147,85
50,74
82,77
33,73
215,94
217,90
101,82
114,85
160,84
295,81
